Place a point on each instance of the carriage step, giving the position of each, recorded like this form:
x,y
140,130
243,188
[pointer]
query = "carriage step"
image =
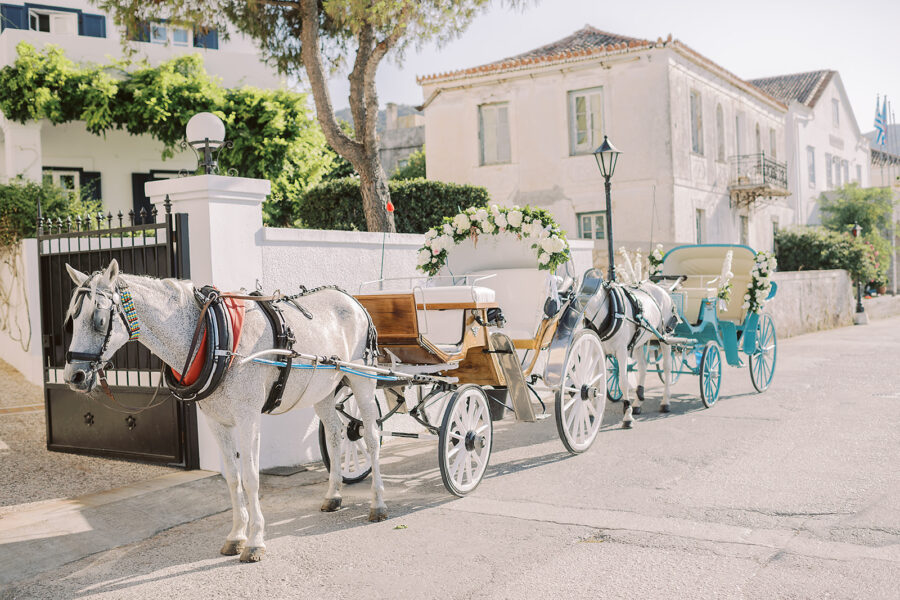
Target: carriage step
x,y
515,379
542,416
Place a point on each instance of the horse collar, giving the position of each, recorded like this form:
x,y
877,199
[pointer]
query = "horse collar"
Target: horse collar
x,y
131,319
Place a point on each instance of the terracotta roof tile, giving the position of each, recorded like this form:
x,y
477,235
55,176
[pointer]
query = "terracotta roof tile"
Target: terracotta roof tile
x,y
805,88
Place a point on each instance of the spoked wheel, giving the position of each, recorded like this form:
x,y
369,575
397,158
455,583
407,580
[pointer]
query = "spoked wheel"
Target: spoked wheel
x,y
613,389
653,354
580,401
762,362
465,440
355,461
710,374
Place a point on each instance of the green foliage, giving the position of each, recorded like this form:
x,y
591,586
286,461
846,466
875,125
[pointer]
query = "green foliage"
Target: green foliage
x,y
870,207
419,204
19,202
274,134
415,167
812,248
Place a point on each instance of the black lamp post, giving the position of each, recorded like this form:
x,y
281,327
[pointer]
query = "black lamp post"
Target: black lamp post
x,y
857,230
606,156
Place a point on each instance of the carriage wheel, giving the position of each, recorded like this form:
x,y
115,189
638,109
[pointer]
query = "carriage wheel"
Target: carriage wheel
x,y
710,374
762,362
613,389
653,354
355,461
579,400
465,440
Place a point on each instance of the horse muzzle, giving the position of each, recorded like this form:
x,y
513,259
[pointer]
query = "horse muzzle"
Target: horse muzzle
x,y
80,376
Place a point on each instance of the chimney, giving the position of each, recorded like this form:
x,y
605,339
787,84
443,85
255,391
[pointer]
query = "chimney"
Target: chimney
x,y
391,111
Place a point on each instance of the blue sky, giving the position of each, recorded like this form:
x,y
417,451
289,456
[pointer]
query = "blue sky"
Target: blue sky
x,y
860,39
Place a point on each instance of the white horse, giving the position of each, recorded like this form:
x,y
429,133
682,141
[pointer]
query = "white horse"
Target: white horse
x,y
658,311
167,313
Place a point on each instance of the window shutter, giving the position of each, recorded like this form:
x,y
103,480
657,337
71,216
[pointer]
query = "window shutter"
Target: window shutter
x,y
90,185
13,17
209,40
503,153
92,25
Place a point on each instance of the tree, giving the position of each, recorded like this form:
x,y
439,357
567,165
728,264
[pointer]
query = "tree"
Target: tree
x,y
311,37
870,207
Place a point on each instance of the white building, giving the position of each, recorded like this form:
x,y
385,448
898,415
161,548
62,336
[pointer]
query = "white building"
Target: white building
x,y
113,167
825,148
701,147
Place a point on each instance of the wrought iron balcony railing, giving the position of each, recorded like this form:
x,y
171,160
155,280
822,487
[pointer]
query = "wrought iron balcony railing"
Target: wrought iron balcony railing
x,y
758,170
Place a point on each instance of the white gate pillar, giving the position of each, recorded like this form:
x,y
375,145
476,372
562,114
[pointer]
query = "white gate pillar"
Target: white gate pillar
x,y
224,224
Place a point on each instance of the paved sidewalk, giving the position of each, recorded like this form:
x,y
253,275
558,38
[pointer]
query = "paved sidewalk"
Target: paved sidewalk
x,y
789,494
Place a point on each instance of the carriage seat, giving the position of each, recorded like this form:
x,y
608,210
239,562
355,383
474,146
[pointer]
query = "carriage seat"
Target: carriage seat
x,y
521,294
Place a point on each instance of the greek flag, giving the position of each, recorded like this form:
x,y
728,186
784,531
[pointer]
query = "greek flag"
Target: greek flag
x,y
881,123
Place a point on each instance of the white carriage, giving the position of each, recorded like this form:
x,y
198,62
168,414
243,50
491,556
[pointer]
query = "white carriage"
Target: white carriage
x,y
487,334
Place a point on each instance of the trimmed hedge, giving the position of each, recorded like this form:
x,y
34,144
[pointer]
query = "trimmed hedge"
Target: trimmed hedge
x,y
419,204
814,248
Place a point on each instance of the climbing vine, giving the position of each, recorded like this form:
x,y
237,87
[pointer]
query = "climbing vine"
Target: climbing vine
x,y
275,136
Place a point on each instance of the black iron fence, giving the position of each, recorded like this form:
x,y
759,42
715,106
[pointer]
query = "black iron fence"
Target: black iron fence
x,y
758,170
143,244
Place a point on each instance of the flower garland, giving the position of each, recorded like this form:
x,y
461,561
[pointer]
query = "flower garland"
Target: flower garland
x,y
550,245
760,282
655,261
725,286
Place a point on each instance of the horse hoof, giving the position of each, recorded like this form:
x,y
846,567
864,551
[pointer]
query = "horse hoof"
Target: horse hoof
x,y
252,554
635,410
626,424
664,408
232,547
331,504
640,393
378,514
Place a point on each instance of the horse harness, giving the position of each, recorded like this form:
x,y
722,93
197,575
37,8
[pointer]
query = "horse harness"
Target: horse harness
x,y
620,297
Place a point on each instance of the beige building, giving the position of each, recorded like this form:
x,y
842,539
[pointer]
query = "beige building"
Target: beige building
x,y
702,148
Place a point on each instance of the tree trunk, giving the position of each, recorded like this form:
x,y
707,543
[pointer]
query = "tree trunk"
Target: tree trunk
x,y
375,194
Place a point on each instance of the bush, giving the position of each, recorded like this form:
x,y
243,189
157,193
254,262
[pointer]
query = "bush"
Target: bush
x,y
419,204
414,168
813,248
19,207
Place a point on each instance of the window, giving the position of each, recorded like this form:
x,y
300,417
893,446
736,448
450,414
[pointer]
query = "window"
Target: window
x,y
720,134
758,140
698,225
39,21
592,225
738,121
835,112
773,142
774,232
811,165
845,165
745,230
179,36
68,180
829,178
837,172
158,33
859,174
585,120
53,21
493,126
696,123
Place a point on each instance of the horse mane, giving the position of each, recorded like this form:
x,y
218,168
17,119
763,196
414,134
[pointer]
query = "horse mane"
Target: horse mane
x,y
182,290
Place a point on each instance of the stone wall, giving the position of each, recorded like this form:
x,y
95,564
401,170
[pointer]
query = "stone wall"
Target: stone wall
x,y
811,300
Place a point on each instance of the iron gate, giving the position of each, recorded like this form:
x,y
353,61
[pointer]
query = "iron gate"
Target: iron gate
x,y
77,422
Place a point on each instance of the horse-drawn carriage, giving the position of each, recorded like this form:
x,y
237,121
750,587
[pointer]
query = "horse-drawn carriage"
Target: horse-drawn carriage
x,y
485,335
712,320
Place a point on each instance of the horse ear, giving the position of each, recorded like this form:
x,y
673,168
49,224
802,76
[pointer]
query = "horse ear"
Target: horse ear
x,y
112,271
77,276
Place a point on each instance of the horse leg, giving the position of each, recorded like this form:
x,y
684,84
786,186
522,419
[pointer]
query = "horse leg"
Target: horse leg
x,y
228,446
364,392
667,376
248,440
642,376
622,358
329,416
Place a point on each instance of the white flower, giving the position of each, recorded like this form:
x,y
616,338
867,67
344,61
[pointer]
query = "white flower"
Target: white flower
x,y
424,258
427,242
745,305
514,217
442,243
461,222
487,226
495,210
500,220
746,296
447,228
547,245
431,234
544,259
480,215
558,244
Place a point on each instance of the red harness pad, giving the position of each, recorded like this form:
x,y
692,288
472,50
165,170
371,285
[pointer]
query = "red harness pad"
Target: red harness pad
x,y
236,314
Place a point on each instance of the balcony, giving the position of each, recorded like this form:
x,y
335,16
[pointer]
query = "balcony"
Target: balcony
x,y
755,176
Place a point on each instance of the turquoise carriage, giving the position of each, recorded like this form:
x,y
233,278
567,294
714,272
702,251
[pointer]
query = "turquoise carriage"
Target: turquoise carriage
x,y
710,325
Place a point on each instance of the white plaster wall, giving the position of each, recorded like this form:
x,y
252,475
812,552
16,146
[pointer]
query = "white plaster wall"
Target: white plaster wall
x,y
20,319
809,301
814,127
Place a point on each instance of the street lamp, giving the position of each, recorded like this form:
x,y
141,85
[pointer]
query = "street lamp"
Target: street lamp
x,y
606,156
856,231
205,133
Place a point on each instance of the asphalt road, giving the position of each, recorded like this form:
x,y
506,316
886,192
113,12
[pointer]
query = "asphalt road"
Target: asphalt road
x,y
794,493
